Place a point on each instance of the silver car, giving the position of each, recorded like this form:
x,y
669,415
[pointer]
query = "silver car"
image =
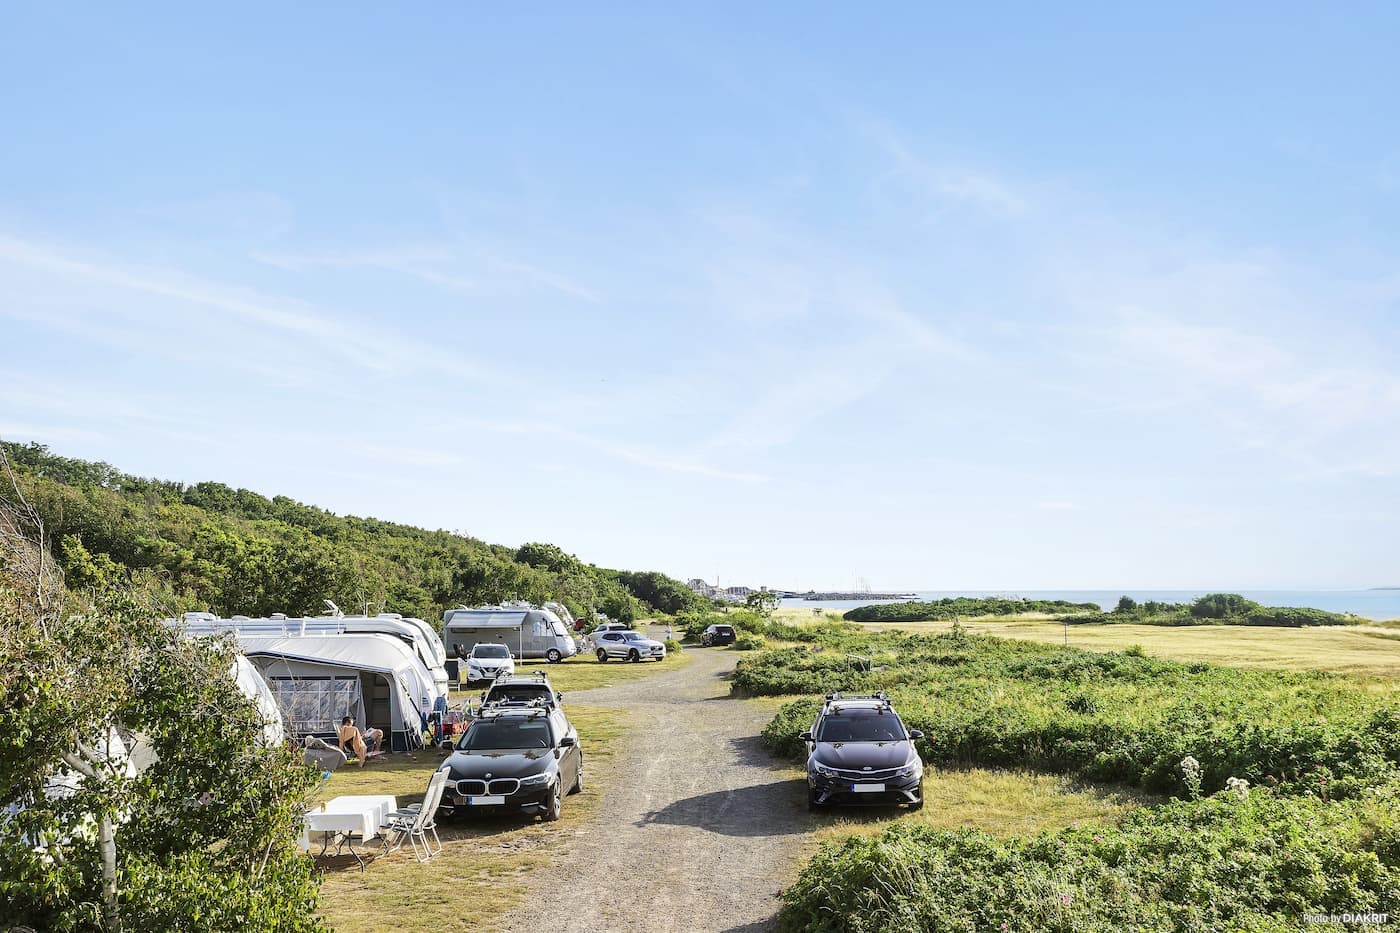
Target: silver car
x,y
632,646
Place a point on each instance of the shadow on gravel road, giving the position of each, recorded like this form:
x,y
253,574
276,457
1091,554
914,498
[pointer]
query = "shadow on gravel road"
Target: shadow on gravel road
x,y
758,926
757,810
749,750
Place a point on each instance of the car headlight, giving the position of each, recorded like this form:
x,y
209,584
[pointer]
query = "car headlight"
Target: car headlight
x,y
535,779
913,769
823,770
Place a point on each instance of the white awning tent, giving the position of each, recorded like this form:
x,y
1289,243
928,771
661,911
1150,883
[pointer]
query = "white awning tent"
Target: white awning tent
x,y
424,641
256,689
375,679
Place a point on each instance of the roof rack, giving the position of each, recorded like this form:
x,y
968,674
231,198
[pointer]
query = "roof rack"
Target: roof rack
x,y
881,696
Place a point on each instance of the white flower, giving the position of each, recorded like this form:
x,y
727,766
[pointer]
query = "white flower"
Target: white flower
x,y
1238,786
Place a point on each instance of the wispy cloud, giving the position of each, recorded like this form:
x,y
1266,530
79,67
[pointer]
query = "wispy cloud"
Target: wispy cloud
x,y
423,263
620,450
359,342
946,183
548,278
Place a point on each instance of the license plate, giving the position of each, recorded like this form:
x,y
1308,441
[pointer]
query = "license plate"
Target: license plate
x,y
486,801
867,788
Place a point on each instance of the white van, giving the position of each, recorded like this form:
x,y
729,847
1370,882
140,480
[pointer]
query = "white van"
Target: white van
x,y
528,632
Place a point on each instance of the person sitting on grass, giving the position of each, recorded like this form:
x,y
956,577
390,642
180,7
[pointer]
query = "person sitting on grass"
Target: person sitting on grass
x,y
351,736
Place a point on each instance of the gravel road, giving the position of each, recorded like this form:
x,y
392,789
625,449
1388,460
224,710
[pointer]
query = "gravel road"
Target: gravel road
x,y
699,827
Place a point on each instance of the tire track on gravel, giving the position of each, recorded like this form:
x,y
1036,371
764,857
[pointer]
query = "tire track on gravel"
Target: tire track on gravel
x,y
699,826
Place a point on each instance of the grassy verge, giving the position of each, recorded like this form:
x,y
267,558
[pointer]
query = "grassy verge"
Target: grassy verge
x,y
1002,803
486,860
585,672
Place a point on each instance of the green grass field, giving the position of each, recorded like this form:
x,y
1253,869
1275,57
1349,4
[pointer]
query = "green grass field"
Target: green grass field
x,y
585,672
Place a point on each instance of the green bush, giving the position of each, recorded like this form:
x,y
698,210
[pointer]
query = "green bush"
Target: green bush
x,y
673,646
1222,606
1222,863
748,641
1118,717
966,606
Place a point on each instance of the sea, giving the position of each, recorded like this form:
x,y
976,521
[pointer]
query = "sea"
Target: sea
x,y
1369,604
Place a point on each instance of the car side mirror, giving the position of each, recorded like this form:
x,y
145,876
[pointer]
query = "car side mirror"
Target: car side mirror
x,y
568,741
805,736
915,734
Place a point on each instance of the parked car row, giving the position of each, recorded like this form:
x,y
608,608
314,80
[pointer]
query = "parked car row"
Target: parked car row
x,y
521,754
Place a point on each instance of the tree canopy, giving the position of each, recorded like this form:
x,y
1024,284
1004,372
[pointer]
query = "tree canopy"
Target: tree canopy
x,y
210,547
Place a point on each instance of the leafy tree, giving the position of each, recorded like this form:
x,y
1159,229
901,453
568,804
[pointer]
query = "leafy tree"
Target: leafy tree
x,y
1126,605
1222,606
203,838
763,602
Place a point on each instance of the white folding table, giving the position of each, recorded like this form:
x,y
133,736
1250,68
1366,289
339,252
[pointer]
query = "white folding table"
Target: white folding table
x,y
343,818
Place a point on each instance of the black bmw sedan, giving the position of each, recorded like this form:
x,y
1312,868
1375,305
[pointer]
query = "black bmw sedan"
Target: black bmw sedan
x,y
522,759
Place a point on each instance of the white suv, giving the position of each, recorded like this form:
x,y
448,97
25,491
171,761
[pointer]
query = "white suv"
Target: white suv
x,y
488,661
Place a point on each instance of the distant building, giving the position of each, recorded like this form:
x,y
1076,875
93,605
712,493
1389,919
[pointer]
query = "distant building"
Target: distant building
x,y
729,594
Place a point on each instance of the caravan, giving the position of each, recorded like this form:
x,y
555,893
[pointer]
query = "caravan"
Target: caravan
x,y
528,632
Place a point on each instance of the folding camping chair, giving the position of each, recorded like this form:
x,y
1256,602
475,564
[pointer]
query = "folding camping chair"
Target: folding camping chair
x,y
418,820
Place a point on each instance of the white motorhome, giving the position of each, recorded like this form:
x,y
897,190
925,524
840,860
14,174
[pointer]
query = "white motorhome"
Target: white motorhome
x,y
528,631
417,634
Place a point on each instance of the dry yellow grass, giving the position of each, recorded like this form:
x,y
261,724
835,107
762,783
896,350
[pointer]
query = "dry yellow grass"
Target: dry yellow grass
x,y
1361,650
1365,650
1004,803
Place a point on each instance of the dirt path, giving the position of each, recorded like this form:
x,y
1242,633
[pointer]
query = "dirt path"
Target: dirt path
x,y
699,827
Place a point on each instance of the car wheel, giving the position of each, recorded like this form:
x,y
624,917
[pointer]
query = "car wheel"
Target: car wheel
x,y
556,802
578,777
918,804
812,803
705,641
553,656
602,656
634,655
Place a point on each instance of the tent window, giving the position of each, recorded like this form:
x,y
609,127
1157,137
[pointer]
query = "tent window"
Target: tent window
x,y
312,705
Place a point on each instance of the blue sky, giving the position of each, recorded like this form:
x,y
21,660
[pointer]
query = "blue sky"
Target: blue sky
x,y
1008,297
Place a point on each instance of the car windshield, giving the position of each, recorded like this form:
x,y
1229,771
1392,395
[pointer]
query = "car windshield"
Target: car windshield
x,y
505,733
490,651
861,726
633,636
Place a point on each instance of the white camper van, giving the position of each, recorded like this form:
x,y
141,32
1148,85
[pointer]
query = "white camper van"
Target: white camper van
x,y
528,631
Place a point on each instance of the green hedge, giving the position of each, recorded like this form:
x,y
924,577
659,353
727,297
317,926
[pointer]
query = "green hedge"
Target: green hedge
x,y
1116,717
962,606
1224,863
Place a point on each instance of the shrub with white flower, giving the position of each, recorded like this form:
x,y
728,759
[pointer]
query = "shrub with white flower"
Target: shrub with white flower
x,y
1191,774
1238,786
